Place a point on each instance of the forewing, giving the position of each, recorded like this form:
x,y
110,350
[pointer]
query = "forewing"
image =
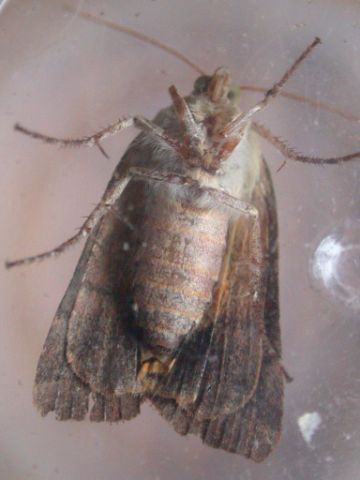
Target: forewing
x,y
264,198
252,431
231,393
88,348
255,429
100,349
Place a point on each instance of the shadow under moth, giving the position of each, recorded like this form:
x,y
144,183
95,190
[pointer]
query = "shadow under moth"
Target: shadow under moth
x,y
175,297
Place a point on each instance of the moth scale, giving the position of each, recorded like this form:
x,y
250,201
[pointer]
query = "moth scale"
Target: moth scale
x,y
187,315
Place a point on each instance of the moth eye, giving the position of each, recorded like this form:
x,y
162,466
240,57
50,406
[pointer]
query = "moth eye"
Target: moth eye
x,y
201,84
234,93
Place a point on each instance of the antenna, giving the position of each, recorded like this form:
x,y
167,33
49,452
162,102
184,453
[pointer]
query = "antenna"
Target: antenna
x,y
175,53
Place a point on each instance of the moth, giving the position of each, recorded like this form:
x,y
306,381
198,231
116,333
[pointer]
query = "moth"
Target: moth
x,y
175,297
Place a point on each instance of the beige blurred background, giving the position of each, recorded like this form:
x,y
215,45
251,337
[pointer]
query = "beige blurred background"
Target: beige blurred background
x,y
68,77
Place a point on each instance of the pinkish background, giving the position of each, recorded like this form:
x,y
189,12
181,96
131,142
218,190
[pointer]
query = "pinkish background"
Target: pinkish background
x,y
67,77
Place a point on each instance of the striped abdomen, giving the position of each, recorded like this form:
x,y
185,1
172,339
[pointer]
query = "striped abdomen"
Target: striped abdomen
x,y
176,268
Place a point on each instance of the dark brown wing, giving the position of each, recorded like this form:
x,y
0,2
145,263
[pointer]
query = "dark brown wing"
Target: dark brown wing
x,y
252,431
234,385
88,348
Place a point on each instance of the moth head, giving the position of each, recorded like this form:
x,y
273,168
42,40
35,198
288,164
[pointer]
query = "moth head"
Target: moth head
x,y
218,87
214,104
203,118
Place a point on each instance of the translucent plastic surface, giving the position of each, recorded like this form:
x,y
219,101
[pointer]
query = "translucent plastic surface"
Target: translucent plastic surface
x,y
67,77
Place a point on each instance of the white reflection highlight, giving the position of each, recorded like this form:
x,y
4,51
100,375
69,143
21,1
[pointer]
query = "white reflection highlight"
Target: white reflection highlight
x,y
335,265
326,260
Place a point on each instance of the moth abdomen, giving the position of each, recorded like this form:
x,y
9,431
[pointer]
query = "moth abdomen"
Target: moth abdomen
x,y
176,267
